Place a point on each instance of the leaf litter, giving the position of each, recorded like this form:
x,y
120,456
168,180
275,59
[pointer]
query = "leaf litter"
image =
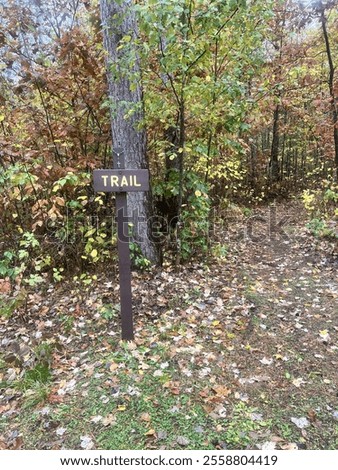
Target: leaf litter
x,y
258,329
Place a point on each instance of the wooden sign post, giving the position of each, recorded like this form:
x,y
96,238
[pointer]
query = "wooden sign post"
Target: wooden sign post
x,y
121,181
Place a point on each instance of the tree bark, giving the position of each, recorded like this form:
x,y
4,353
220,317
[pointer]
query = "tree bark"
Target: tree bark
x,y
331,84
120,32
274,163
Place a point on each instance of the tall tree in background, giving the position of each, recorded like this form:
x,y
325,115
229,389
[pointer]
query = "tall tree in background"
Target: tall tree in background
x,y
120,32
278,44
331,79
284,55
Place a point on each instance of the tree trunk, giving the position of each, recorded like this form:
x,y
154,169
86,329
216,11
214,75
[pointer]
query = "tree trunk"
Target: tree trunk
x,y
125,92
274,163
331,84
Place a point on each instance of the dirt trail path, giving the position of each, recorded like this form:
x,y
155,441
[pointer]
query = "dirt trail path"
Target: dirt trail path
x,y
288,283
247,346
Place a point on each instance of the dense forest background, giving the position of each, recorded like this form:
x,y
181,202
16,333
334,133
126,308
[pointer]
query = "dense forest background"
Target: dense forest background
x,y
240,108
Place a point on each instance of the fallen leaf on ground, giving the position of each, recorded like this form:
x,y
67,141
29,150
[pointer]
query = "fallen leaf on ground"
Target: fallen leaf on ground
x,y
298,382
60,431
289,446
270,445
3,445
96,419
145,417
86,442
108,420
301,423
182,441
266,361
221,390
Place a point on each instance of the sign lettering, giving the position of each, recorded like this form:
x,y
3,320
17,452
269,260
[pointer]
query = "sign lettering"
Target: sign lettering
x,y
120,180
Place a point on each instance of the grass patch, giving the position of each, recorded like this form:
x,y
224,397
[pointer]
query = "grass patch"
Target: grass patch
x,y
321,432
7,306
39,374
145,414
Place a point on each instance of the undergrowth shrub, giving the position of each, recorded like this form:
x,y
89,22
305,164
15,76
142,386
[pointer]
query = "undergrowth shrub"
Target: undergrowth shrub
x,y
321,205
52,227
188,233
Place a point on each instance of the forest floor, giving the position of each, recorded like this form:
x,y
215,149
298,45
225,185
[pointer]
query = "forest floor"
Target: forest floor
x,y
235,351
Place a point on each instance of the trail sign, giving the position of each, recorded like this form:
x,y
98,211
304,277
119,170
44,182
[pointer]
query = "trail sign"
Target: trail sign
x,y
121,181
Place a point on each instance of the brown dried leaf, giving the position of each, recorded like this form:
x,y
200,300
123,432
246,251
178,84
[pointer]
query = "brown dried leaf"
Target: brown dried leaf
x,y
109,420
145,417
221,390
289,446
276,439
113,367
312,416
17,444
3,445
5,286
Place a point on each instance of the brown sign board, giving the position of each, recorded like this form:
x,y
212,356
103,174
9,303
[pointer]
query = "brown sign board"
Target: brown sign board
x,y
119,181
122,181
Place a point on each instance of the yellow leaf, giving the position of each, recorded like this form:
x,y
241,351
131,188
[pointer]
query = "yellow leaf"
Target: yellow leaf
x,y
198,193
216,322
93,254
121,408
151,432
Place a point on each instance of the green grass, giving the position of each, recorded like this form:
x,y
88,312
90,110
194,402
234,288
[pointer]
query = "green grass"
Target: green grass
x,y
34,385
7,307
155,416
148,410
3,424
169,416
40,374
320,434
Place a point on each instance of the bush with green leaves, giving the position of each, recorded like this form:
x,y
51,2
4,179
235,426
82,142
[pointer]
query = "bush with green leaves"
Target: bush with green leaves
x,y
193,232
321,204
51,227
189,232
